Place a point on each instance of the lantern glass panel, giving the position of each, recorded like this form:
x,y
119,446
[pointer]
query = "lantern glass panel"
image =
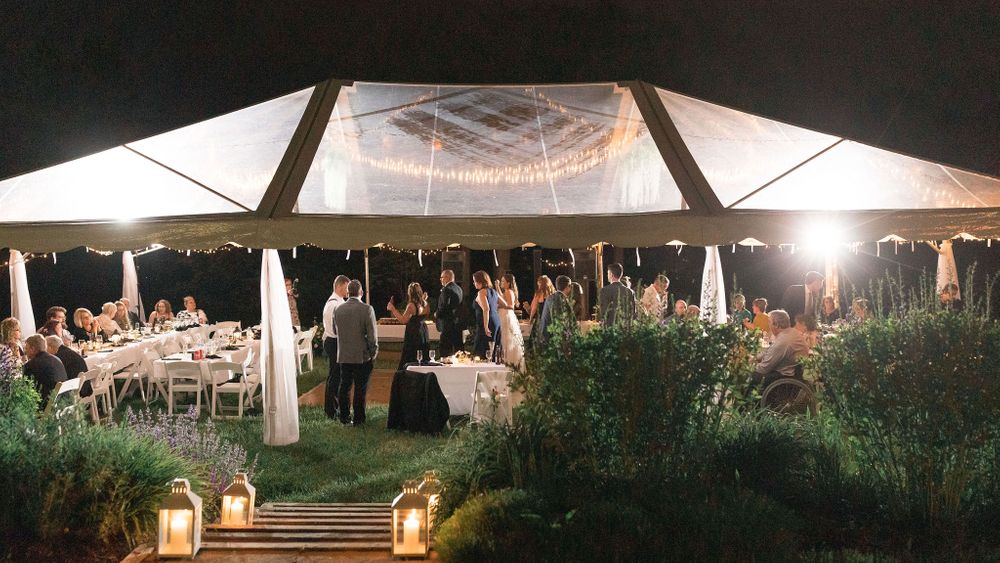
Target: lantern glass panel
x,y
410,535
176,532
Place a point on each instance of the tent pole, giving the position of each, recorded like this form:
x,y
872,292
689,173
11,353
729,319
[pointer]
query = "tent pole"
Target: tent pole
x,y
368,285
831,287
599,275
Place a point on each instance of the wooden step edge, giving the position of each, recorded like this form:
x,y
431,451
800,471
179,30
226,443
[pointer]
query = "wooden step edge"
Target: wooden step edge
x,y
312,504
308,527
297,546
287,536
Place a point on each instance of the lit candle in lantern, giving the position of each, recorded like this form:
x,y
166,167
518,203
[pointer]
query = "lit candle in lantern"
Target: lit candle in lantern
x,y
237,510
178,531
411,533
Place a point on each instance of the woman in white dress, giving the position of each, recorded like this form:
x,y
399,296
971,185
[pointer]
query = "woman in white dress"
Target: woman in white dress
x,y
947,269
510,331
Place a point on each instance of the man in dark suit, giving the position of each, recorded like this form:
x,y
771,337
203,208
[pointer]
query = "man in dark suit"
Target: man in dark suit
x,y
357,346
557,307
447,314
73,362
617,302
806,298
44,368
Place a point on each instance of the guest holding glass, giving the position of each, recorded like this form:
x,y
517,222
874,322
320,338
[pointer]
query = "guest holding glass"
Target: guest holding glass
x,y
192,315
106,320
487,315
510,330
415,340
84,327
761,321
162,313
830,312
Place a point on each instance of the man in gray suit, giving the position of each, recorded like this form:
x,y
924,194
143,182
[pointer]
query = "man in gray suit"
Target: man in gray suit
x,y
357,346
617,302
557,307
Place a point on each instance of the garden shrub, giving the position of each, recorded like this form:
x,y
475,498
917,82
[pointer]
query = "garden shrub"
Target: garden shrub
x,y
66,481
18,397
919,393
503,525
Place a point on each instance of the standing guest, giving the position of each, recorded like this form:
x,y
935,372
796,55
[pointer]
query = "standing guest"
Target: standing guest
x,y
84,327
357,346
680,311
330,344
761,321
950,299
192,315
55,323
415,335
741,316
162,313
859,311
487,315
576,297
11,356
780,359
44,368
510,330
446,316
806,324
293,306
543,289
106,320
133,317
557,309
73,362
617,302
830,313
654,297
122,317
805,298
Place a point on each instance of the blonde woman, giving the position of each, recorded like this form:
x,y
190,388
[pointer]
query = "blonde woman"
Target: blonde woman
x,y
84,325
161,312
11,356
510,330
106,320
543,289
121,316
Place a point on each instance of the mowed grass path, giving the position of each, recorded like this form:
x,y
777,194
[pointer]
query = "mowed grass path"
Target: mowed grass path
x,y
332,462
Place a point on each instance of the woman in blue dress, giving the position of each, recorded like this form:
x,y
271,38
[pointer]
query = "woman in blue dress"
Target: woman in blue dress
x,y
487,315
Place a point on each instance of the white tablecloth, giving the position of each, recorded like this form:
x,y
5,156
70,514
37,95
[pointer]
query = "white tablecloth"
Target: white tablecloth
x,y
238,356
458,383
130,353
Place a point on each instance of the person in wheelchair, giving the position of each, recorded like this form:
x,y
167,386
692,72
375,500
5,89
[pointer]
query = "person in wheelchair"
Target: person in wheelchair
x,y
782,358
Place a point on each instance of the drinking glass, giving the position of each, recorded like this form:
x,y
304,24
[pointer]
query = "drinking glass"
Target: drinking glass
x,y
100,339
420,356
489,352
432,354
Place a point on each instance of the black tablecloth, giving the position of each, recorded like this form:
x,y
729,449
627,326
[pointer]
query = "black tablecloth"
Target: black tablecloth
x,y
416,403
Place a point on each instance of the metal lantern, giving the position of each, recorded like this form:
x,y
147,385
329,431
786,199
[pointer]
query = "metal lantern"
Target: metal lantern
x,y
238,502
179,522
430,488
410,529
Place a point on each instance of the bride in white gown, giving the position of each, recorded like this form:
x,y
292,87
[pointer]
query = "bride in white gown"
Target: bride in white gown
x,y
510,331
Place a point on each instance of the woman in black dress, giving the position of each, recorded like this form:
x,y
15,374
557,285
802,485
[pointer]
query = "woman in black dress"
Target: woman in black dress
x,y
413,316
487,316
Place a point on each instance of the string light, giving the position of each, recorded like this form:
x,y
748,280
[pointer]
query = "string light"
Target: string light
x,y
348,254
572,257
557,263
295,252
638,259
496,261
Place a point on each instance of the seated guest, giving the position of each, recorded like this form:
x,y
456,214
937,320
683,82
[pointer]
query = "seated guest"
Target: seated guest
x,y
779,360
761,321
121,316
44,368
830,312
859,311
192,315
55,320
806,324
692,312
680,309
741,317
161,313
950,299
133,318
106,320
72,362
11,356
84,327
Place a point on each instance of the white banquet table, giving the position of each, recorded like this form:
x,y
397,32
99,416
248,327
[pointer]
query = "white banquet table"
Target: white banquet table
x,y
130,353
238,356
458,382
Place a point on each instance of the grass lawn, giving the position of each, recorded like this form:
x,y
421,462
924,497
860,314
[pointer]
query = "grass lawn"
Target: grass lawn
x,y
330,462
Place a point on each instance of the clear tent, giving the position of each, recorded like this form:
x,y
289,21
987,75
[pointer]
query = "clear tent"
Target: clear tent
x,y
487,167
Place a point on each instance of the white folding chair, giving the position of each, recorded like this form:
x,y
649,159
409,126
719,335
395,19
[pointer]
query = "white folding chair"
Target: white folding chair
x,y
152,378
184,377
92,377
228,377
169,347
225,328
66,392
491,399
103,389
304,349
252,375
129,374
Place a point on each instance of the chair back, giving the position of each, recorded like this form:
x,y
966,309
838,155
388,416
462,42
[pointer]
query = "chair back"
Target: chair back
x,y
69,389
170,347
229,325
303,340
492,398
222,372
250,360
106,376
184,372
148,357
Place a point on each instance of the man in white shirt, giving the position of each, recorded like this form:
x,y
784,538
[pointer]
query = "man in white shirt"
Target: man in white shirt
x,y
780,359
330,344
654,296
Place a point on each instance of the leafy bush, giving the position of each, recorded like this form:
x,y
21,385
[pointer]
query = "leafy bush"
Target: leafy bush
x,y
919,392
201,444
504,525
64,481
18,397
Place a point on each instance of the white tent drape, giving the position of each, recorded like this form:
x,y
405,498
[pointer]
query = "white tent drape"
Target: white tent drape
x,y
130,283
277,356
713,288
20,299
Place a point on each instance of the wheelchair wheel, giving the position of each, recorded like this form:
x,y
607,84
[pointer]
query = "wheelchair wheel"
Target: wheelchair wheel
x,y
789,396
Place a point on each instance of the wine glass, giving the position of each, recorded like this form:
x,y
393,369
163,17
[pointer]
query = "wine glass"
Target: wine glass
x,y
420,356
432,354
100,340
489,352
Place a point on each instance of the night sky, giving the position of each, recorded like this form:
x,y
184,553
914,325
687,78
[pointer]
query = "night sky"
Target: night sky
x,y
920,78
